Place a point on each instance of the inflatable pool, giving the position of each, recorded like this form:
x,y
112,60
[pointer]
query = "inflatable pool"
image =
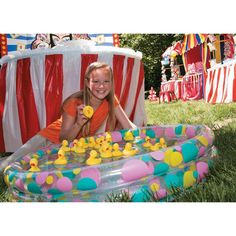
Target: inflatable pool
x,y
144,162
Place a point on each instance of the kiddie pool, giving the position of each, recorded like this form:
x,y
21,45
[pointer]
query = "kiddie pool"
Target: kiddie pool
x,y
183,163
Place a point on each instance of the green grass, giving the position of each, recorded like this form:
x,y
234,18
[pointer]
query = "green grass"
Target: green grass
x,y
191,112
220,184
4,195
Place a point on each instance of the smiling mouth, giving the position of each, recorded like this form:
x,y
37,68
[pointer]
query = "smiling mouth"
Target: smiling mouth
x,y
98,93
101,92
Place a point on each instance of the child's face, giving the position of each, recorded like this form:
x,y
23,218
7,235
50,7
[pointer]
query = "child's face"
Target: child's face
x,y
100,83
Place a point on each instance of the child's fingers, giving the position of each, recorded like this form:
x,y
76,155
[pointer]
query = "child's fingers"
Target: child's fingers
x,y
84,118
80,109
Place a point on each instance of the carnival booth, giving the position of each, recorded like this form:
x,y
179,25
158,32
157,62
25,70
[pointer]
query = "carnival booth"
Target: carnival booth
x,y
196,57
171,89
220,83
209,62
34,83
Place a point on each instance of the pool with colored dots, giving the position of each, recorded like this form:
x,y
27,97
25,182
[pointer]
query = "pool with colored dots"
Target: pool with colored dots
x,y
160,158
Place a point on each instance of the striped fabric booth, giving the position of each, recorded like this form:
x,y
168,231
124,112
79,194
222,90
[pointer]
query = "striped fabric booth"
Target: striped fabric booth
x,y
192,87
170,90
34,83
220,84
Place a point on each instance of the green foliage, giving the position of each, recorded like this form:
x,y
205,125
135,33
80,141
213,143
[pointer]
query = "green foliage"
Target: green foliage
x,y
4,195
120,196
152,47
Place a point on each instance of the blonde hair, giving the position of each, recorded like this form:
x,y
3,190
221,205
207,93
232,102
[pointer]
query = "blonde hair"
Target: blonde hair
x,y
85,95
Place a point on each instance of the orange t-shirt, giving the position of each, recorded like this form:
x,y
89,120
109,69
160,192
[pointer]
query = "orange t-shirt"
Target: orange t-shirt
x,y
52,131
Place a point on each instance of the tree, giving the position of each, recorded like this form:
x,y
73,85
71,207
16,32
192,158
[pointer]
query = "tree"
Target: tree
x,y
152,47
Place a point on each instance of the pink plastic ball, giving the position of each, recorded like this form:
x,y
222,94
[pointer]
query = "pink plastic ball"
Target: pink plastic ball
x,y
157,155
169,132
116,136
201,151
202,169
41,178
64,184
190,132
134,169
19,184
92,173
161,193
150,168
159,131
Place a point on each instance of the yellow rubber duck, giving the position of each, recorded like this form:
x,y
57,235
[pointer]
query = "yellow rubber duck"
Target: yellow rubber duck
x,y
98,142
108,137
91,142
105,150
163,142
75,141
83,142
64,146
92,160
79,148
88,111
155,147
116,152
164,146
61,160
102,139
128,136
147,143
34,165
128,151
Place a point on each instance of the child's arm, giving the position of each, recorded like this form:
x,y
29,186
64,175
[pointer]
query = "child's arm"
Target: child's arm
x,y
71,126
123,119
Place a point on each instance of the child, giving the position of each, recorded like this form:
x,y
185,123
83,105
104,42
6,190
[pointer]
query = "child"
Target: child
x,y
98,93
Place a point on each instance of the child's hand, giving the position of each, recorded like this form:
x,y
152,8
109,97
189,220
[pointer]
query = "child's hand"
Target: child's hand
x,y
81,118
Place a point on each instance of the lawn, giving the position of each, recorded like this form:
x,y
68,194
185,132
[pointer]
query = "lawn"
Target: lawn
x,y
220,184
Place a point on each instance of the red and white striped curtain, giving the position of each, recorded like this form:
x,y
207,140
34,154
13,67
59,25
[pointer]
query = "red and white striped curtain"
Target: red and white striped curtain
x,y
220,84
33,88
171,86
192,87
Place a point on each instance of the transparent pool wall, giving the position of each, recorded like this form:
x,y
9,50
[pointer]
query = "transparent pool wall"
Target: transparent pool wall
x,y
143,176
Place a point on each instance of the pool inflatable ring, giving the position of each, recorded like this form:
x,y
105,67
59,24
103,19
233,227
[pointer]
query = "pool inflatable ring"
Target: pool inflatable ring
x,y
143,162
